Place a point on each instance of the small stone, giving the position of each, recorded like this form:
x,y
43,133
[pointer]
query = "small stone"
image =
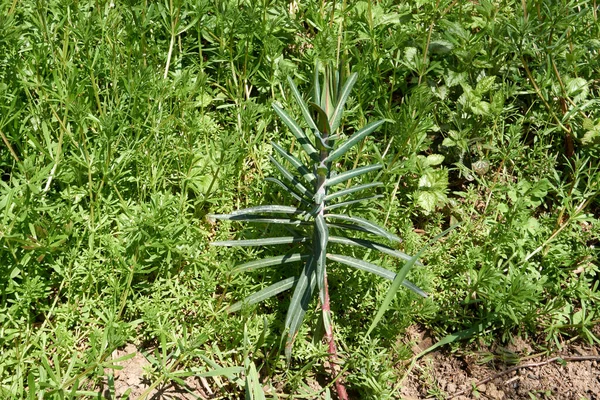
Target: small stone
x,y
482,388
493,392
451,388
133,381
481,167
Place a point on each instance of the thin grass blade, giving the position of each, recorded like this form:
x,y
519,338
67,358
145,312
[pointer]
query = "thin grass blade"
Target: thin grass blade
x,y
254,390
391,294
227,372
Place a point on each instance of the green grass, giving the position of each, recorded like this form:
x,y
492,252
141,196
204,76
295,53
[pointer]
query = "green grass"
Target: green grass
x,y
123,125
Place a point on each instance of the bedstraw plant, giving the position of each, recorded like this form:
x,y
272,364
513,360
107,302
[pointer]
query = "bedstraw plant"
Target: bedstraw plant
x,y
313,222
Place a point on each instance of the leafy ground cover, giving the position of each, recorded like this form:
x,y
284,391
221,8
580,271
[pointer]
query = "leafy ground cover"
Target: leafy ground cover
x,y
124,124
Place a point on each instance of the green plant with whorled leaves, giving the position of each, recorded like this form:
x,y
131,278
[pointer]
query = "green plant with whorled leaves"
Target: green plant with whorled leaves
x,y
315,189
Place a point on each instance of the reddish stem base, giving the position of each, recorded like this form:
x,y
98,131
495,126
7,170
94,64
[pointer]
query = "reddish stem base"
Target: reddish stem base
x,y
333,355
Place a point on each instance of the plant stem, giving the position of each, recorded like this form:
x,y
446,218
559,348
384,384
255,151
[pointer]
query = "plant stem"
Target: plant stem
x,y
10,149
333,356
324,170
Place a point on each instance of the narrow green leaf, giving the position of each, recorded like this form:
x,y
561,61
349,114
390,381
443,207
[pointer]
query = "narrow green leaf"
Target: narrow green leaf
x,y
289,190
262,242
323,121
370,227
350,227
389,297
460,335
221,371
296,163
351,190
228,372
249,214
342,98
297,132
326,101
320,252
267,262
375,269
302,104
268,209
304,281
316,85
361,134
392,292
299,303
367,244
254,390
292,179
350,202
231,376
344,176
261,220
32,389
264,294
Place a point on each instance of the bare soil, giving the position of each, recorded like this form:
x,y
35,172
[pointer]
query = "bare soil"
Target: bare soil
x,y
133,381
512,372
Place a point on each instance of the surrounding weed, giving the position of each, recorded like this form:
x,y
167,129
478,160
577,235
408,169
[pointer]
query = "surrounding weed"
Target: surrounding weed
x,y
124,124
